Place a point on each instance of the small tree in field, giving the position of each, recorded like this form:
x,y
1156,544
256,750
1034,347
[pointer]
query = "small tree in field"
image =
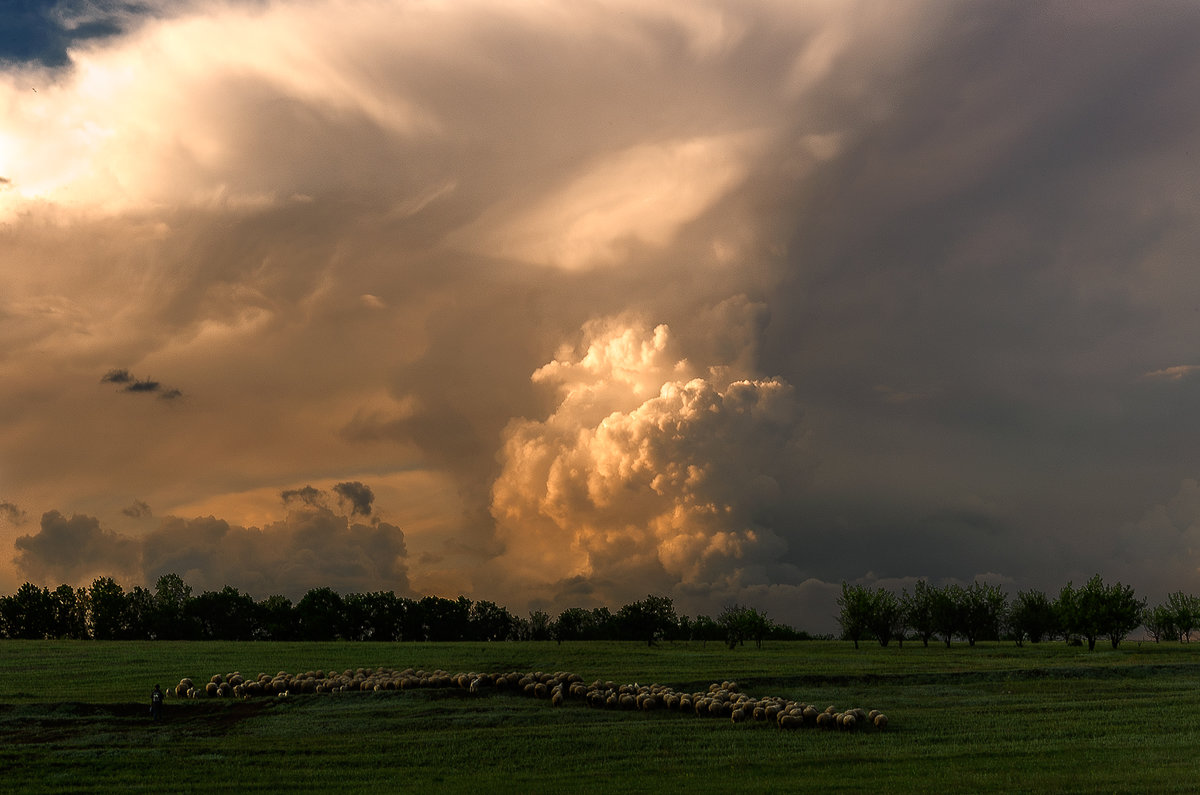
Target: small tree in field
x,y
982,611
1122,612
1184,610
1032,616
918,610
855,605
1159,621
948,611
743,623
886,617
1097,609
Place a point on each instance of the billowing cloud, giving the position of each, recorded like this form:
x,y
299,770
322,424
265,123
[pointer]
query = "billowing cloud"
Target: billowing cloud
x,y
647,472
358,496
310,548
74,549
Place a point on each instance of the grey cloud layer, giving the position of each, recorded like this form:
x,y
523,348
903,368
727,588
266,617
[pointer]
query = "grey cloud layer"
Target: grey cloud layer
x,y
310,548
959,237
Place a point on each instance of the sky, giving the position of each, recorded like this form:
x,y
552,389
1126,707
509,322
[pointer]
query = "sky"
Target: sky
x,y
562,304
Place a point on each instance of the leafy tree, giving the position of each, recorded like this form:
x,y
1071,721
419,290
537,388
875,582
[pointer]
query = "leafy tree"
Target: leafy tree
x,y
855,607
705,628
571,624
70,613
650,619
106,609
982,611
446,619
947,611
918,610
886,618
1185,614
1160,623
1096,609
412,620
603,625
28,613
277,619
171,597
227,614
321,614
490,621
537,626
1122,612
741,623
373,616
1032,615
139,614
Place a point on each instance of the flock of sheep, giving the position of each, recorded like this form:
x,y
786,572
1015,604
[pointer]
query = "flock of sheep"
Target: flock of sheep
x,y
721,700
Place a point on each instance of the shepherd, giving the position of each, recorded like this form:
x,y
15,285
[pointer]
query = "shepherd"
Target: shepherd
x,y
156,701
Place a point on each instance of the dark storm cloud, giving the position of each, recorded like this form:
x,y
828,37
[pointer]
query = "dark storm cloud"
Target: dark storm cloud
x,y
311,547
960,237
72,550
138,510
308,495
358,495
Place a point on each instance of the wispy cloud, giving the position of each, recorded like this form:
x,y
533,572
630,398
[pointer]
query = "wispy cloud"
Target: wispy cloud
x,y
1176,373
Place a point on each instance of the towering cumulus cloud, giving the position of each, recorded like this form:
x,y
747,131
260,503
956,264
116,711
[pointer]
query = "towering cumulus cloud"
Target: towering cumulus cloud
x,y
649,472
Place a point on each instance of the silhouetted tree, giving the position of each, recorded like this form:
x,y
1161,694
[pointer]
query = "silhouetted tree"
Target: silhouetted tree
x,y
28,613
947,611
139,614
982,611
106,609
1184,610
70,613
854,611
171,597
446,619
1096,609
277,619
227,614
886,617
412,620
917,608
741,623
571,624
490,621
320,615
1032,615
650,619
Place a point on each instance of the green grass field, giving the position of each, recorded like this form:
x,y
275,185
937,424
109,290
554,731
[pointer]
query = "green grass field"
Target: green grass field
x,y
1047,718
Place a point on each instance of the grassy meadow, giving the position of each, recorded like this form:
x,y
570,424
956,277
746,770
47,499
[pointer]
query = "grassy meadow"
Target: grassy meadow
x,y
1048,718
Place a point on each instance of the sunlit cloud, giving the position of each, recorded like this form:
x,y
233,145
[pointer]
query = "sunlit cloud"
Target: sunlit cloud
x,y
734,300
629,486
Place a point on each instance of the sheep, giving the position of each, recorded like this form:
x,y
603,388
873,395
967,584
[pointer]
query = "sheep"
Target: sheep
x,y
719,699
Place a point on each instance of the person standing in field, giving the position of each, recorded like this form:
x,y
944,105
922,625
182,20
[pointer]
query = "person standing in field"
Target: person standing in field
x,y
156,701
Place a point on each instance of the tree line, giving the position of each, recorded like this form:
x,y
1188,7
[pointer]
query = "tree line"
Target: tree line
x,y
979,611
169,611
